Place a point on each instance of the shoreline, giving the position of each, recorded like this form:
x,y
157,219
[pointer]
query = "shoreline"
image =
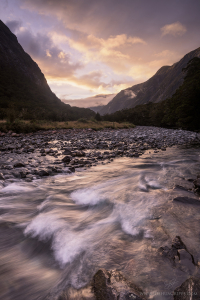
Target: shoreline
x,y
47,153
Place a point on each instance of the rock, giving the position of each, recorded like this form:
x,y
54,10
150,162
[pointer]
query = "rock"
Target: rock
x,y
67,151
1,177
111,285
22,174
41,173
186,260
189,290
184,184
67,159
197,183
187,200
19,165
73,294
178,253
72,169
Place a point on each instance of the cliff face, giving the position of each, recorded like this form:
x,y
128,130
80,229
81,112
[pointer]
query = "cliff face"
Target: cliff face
x,y
23,86
158,88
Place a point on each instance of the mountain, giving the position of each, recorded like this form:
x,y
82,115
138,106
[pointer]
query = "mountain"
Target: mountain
x,y
97,109
24,91
158,88
182,110
89,102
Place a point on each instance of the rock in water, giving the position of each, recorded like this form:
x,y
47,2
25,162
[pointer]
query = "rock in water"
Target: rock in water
x,y
111,285
189,290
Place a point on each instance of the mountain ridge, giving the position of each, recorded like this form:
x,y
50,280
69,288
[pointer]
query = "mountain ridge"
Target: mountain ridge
x,y
159,87
23,87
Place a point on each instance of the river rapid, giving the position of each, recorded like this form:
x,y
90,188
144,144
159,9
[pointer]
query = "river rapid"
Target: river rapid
x,y
56,232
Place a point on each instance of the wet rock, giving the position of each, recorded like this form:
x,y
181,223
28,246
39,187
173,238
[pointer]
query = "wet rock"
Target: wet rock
x,y
40,173
67,151
73,294
187,200
67,159
19,165
2,177
178,253
197,183
16,174
189,290
111,285
72,169
186,261
184,184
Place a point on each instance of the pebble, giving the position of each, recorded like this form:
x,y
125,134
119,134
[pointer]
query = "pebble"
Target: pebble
x,y
43,151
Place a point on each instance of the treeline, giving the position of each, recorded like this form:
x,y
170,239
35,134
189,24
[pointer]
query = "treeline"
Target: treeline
x,y
182,110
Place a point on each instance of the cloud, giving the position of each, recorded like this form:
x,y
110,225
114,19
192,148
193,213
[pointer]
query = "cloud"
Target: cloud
x,y
53,61
91,80
130,94
91,101
175,29
14,25
165,54
113,51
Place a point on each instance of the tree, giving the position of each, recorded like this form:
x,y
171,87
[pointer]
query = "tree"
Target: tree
x,y
98,117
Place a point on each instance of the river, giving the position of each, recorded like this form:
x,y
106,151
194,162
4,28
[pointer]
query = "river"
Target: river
x,y
56,232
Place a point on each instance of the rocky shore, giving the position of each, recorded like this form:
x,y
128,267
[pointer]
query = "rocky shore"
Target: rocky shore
x,y
32,156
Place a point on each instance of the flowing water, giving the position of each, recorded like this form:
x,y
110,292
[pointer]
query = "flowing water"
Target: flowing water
x,y
56,232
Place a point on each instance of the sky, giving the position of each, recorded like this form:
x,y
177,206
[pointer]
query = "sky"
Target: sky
x,y
96,47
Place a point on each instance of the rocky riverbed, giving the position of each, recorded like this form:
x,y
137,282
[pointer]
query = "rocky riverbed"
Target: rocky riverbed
x,y
45,153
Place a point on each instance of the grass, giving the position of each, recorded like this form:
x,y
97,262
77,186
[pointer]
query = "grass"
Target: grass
x,y
21,126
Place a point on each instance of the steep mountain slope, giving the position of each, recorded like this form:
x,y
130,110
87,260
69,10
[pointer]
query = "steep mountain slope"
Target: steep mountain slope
x,y
23,88
181,110
158,88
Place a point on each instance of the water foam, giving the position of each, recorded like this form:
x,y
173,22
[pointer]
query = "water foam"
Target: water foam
x,y
87,197
67,242
16,187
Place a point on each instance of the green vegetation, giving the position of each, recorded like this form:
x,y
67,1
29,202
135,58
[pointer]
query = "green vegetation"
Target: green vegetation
x,y
182,110
27,126
97,117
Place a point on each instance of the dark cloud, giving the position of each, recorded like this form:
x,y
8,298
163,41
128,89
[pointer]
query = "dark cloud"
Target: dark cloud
x,y
53,61
132,17
14,25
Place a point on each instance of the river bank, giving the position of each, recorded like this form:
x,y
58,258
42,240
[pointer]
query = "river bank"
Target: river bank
x,y
45,153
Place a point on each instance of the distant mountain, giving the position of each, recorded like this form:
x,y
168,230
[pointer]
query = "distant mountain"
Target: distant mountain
x,y
24,91
97,109
158,88
96,102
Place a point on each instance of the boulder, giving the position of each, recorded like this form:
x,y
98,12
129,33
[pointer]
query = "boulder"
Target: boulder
x,y
111,285
19,165
178,254
67,159
189,290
